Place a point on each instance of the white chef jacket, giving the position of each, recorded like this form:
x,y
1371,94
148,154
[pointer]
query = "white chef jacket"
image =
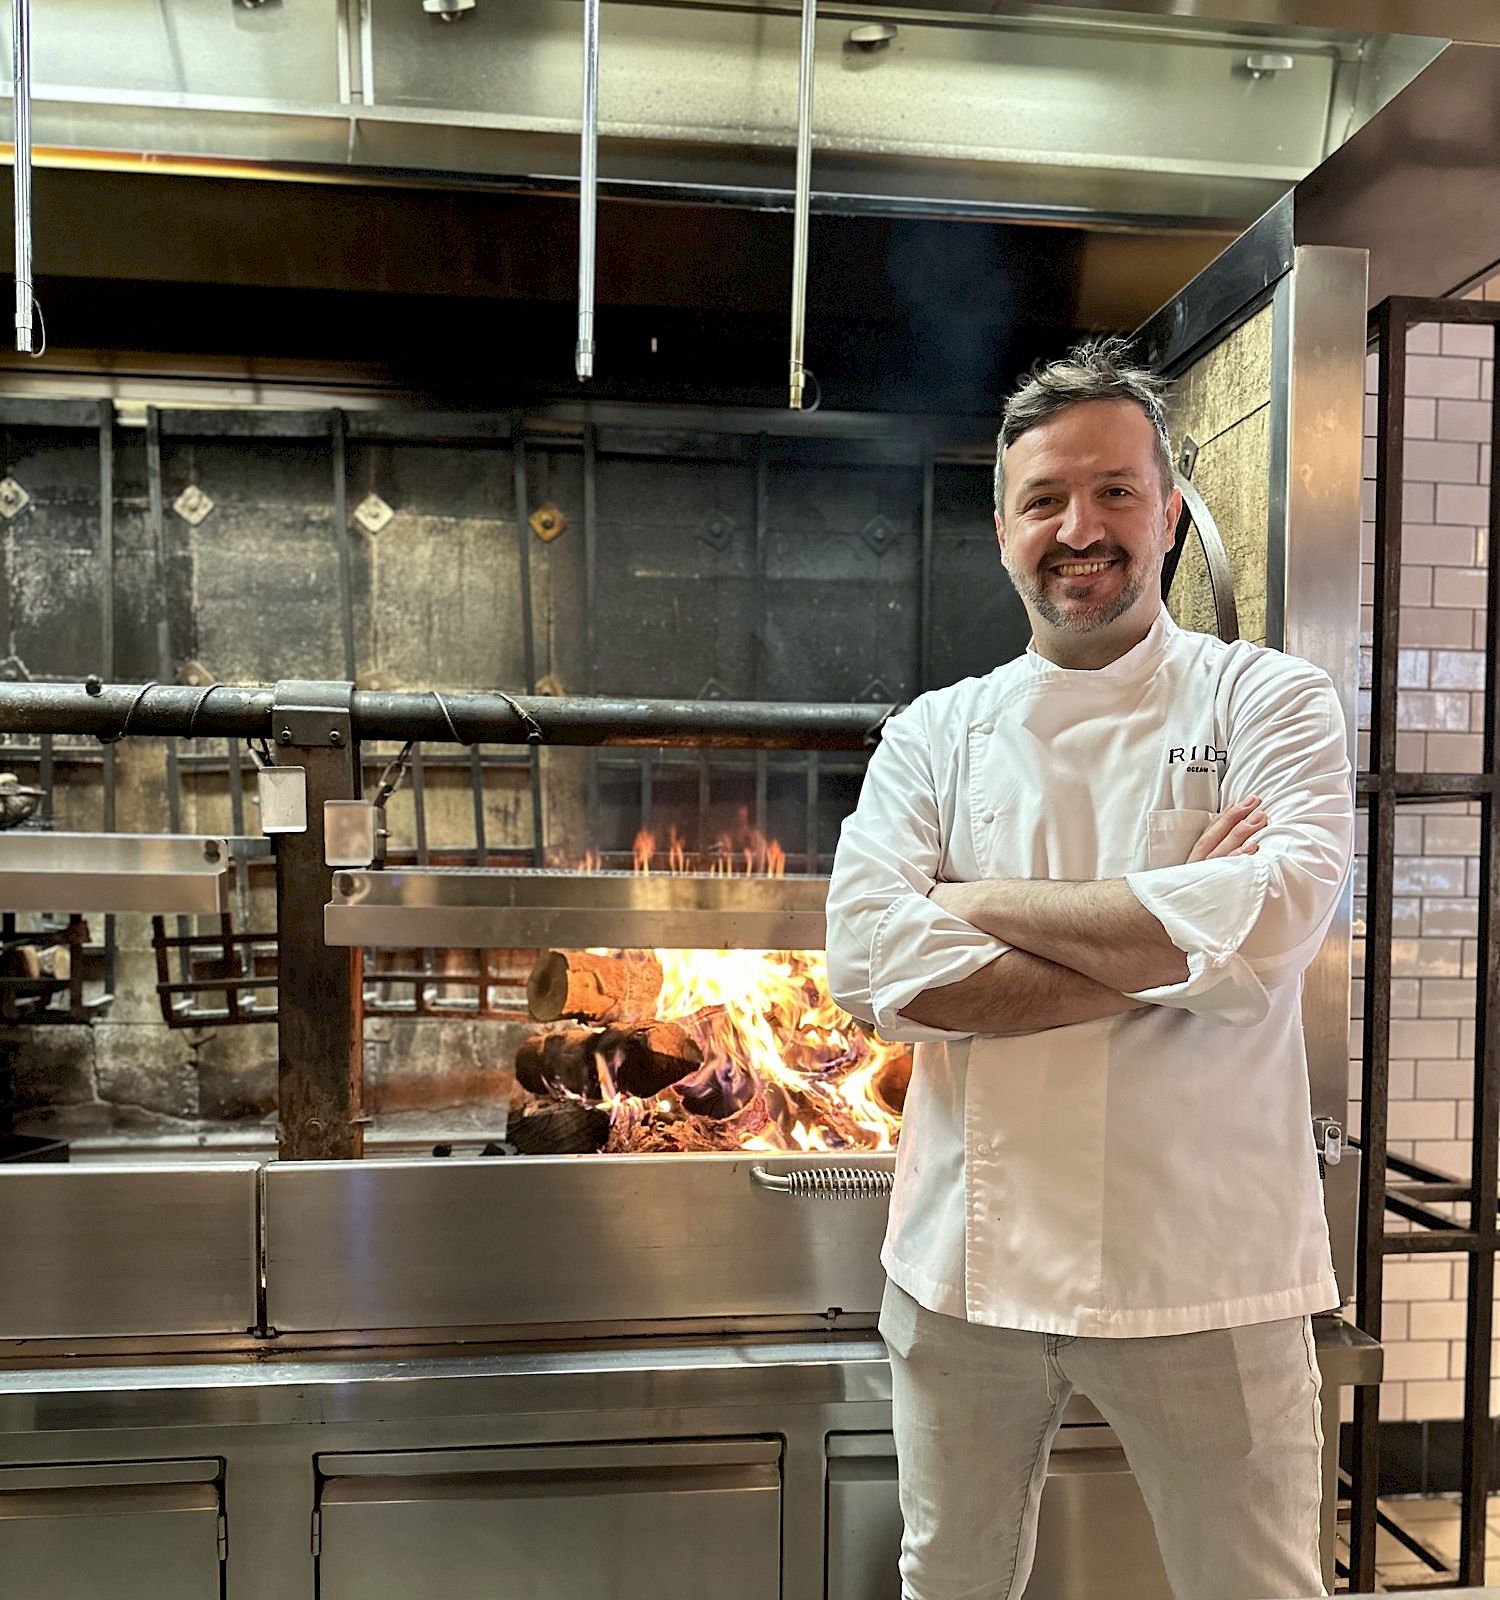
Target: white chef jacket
x,y
1148,1173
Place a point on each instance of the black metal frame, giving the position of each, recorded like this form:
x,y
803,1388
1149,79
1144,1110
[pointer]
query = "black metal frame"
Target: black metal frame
x,y
1382,789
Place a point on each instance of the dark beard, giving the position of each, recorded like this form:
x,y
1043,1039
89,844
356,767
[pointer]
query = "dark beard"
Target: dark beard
x,y
1085,621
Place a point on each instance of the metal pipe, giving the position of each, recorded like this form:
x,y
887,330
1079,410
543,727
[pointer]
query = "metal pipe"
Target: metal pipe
x,y
588,191
238,712
803,200
20,33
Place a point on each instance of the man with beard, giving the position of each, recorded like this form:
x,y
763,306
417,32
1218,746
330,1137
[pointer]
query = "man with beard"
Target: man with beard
x,y
1086,886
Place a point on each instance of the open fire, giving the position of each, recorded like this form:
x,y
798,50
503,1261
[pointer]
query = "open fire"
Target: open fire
x,y
703,1049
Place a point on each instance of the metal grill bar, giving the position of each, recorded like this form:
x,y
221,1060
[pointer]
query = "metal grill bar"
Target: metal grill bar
x,y
575,721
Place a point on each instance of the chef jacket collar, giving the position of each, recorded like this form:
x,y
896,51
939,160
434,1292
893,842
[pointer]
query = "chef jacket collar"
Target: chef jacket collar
x,y
1137,662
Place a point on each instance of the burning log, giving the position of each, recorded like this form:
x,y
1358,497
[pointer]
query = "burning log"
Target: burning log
x,y
557,1128
548,1063
642,1058
571,983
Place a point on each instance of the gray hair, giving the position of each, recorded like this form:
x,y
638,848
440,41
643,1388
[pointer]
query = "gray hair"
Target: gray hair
x,y
1097,369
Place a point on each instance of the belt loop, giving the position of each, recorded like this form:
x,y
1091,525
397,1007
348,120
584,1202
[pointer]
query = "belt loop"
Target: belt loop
x,y
1047,1367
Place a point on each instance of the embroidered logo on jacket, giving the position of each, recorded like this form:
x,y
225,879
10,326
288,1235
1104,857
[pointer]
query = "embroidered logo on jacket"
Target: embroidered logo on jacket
x,y
1197,757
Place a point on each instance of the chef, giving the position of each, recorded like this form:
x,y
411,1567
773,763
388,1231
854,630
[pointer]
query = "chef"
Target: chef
x,y
1086,887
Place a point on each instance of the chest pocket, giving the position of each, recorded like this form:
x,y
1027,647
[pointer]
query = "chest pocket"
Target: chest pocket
x,y
1171,834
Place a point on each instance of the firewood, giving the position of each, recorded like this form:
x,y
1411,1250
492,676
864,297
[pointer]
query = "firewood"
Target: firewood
x,y
547,1062
644,1060
21,961
572,983
640,1058
558,1128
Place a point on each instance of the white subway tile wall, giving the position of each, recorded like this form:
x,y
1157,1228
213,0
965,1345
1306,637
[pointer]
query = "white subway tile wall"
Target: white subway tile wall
x,y
1440,715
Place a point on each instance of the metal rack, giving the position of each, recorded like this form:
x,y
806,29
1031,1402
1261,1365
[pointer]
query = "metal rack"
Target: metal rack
x,y
1422,1193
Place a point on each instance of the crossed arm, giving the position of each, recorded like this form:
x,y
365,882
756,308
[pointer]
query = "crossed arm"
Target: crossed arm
x,y
1079,950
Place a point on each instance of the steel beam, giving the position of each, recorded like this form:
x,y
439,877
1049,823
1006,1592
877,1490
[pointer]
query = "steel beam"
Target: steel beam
x,y
232,711
319,988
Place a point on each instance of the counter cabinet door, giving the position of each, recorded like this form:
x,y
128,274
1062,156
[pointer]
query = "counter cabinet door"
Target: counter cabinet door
x,y
675,1521
134,1530
1094,1534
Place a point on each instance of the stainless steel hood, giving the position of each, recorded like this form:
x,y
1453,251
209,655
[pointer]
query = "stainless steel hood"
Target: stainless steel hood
x,y
1117,116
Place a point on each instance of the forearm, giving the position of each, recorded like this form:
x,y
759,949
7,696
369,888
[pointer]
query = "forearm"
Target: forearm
x,y
1098,929
1017,993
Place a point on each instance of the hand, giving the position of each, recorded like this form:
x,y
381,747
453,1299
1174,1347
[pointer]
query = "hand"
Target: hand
x,y
1231,833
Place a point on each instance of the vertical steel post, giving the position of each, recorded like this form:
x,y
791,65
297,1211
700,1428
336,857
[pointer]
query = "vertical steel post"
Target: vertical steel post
x,y
588,192
528,624
164,664
1375,1072
320,994
20,33
337,431
803,200
107,639
1478,1362
590,617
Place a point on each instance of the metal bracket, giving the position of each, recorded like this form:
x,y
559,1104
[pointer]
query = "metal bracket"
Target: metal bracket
x,y
879,533
192,505
372,513
13,498
311,714
547,522
717,530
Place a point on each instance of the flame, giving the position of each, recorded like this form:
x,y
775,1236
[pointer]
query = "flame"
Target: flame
x,y
643,850
742,851
783,1069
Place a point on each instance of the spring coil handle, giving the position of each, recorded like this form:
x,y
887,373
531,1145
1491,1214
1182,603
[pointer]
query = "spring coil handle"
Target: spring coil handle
x,y
826,1183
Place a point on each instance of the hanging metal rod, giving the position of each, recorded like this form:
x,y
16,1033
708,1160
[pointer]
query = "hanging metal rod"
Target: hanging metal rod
x,y
20,32
105,711
588,192
803,200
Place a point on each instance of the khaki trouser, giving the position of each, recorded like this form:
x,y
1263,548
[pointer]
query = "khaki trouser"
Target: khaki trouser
x,y
1222,1430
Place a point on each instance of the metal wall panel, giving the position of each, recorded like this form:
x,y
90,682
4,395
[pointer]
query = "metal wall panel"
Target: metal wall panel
x,y
978,620
174,47
116,1251
391,1244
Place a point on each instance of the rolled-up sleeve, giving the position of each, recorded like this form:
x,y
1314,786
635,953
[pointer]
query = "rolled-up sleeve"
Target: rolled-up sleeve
x,y
887,942
1248,924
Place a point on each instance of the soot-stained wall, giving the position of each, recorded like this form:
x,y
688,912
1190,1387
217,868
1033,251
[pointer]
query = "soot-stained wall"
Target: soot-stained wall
x,y
689,562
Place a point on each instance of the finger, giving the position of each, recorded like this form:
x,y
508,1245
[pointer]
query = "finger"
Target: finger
x,y
1219,829
1228,832
1239,835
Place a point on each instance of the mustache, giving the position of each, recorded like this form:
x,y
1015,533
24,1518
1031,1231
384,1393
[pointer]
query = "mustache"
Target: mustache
x,y
1095,552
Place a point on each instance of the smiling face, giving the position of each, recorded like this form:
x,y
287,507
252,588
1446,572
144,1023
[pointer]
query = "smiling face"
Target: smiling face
x,y
1086,528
